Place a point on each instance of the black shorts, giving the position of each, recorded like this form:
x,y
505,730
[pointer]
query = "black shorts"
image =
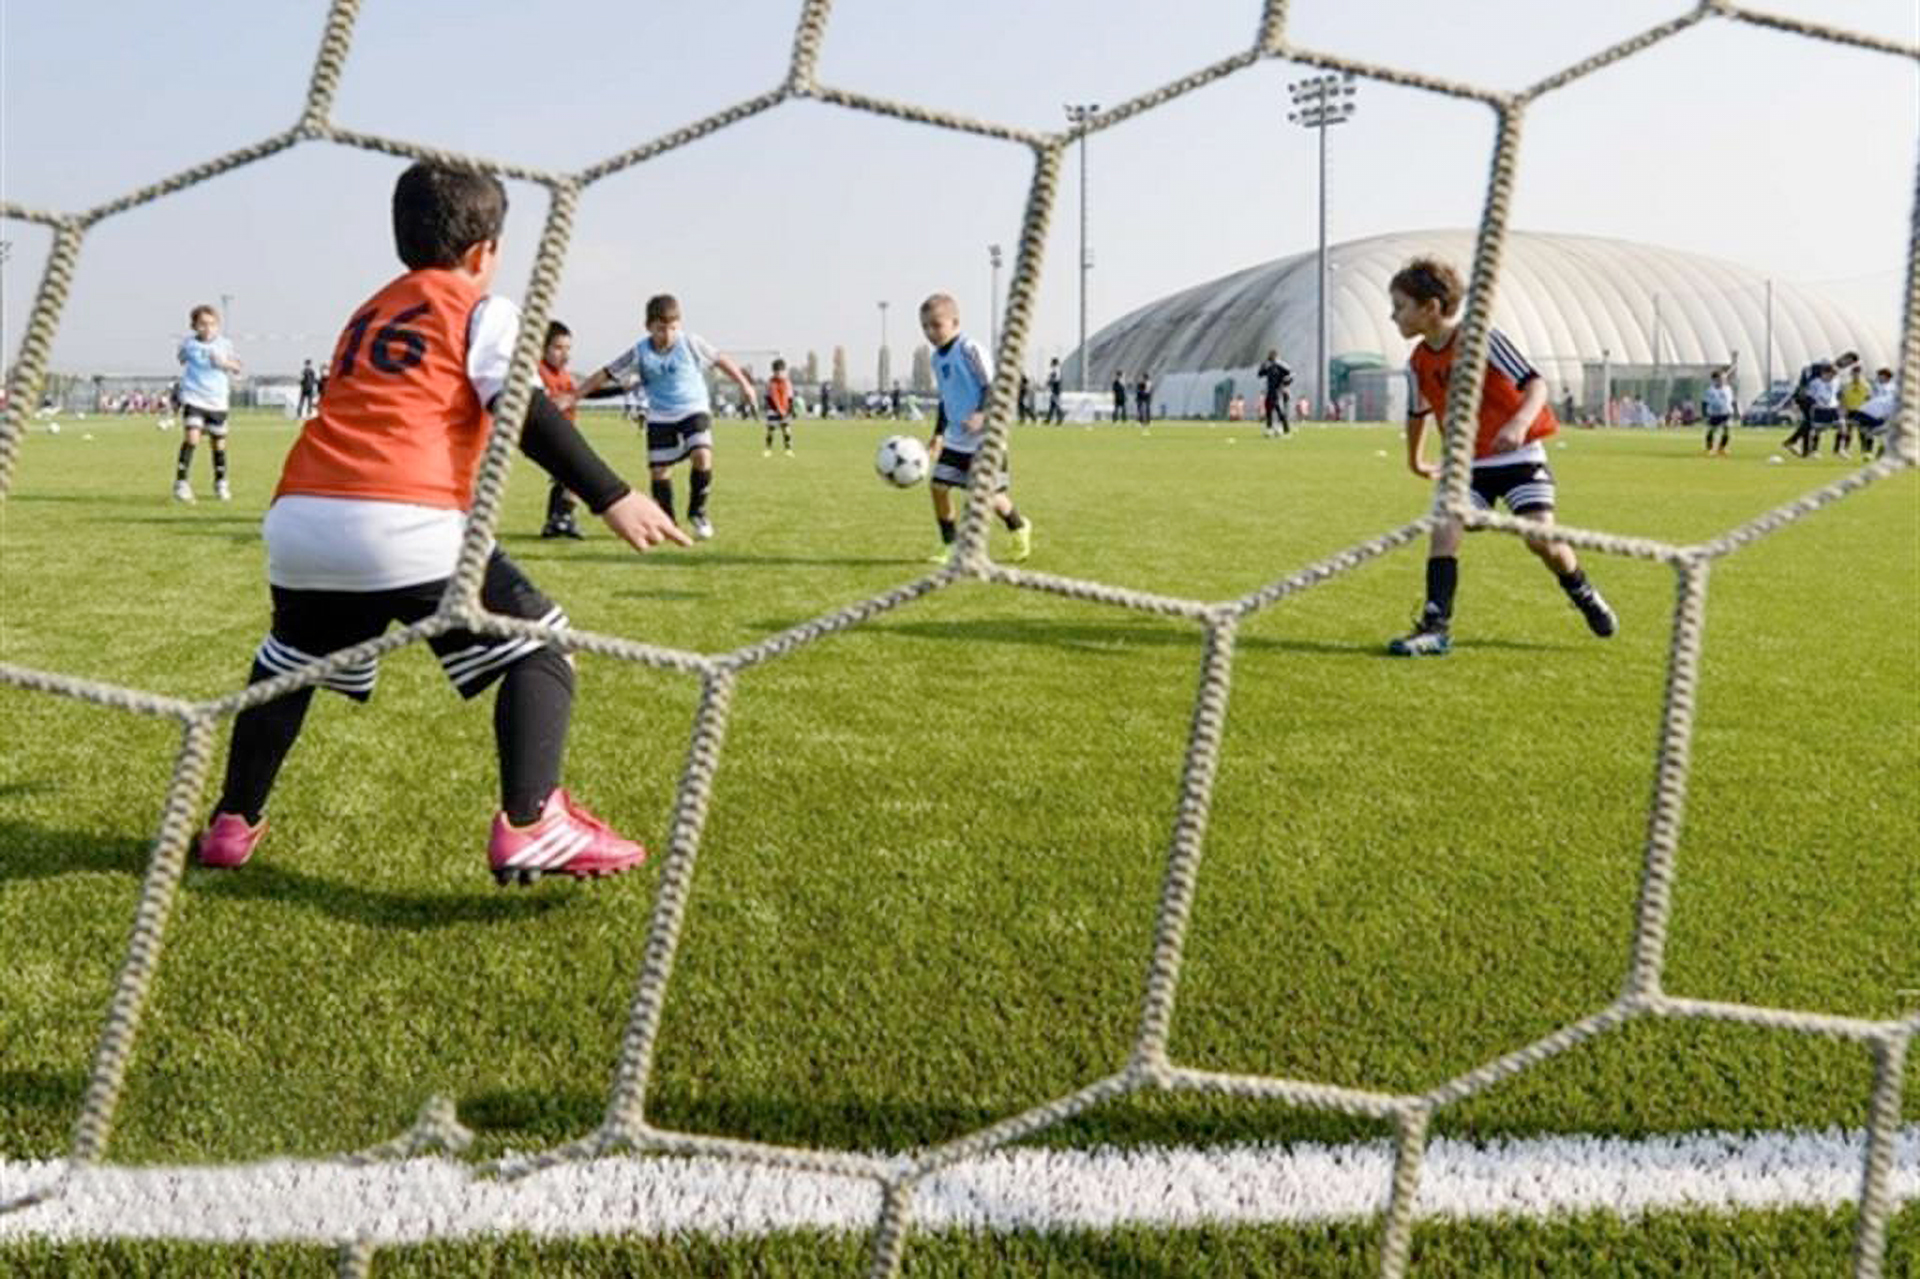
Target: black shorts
x,y
310,624
669,442
953,467
1826,417
1718,419
1526,487
212,421
1865,421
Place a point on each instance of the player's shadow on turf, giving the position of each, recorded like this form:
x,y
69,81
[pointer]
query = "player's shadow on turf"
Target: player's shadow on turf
x,y
374,908
34,852
54,1094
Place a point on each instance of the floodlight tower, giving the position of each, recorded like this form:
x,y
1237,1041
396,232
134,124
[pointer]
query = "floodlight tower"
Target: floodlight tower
x,y
993,304
1080,113
1318,102
883,368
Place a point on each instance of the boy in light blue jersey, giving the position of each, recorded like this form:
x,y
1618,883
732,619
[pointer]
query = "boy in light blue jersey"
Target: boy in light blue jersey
x,y
206,359
965,379
671,365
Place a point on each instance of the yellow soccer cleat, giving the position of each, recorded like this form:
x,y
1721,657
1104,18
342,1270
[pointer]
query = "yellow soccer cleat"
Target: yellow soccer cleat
x,y
1023,542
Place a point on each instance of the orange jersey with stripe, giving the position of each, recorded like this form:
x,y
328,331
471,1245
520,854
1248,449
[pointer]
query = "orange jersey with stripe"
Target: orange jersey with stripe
x,y
559,384
1503,389
400,421
780,394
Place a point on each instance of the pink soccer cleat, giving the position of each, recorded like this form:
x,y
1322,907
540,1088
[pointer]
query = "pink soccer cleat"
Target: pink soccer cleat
x,y
566,840
228,840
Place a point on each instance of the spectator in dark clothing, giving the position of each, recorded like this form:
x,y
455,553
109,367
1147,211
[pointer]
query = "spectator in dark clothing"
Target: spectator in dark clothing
x,y
1278,377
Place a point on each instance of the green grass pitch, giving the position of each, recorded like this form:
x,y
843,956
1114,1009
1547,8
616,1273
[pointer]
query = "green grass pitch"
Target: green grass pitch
x,y
926,891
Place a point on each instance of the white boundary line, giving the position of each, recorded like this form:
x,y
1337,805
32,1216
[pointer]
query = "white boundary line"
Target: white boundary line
x,y
1023,1188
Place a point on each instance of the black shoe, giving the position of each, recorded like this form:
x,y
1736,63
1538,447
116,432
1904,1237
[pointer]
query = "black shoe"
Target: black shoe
x,y
1600,617
563,528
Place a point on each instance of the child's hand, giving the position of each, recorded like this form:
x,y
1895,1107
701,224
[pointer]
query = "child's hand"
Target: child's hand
x,y
1509,437
639,521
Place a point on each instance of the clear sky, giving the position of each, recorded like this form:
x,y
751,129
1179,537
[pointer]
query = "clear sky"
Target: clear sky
x,y
1791,156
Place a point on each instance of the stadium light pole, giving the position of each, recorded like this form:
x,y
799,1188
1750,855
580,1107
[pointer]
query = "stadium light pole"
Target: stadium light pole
x,y
993,304
1321,101
1080,113
880,369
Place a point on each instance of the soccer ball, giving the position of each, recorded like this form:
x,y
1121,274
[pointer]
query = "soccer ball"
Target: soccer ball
x,y
902,461
53,428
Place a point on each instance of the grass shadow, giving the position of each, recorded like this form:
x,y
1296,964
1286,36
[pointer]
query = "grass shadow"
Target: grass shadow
x,y
377,908
34,852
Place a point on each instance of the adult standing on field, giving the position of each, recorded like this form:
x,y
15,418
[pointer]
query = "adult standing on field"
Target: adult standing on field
x,y
1143,398
1119,396
309,390
1278,377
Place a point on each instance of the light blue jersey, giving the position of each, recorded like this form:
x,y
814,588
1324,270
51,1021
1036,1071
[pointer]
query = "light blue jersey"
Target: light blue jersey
x,y
675,379
965,379
1719,400
203,383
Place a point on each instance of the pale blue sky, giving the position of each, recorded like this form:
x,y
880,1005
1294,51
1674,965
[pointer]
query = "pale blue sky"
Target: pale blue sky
x,y
1791,156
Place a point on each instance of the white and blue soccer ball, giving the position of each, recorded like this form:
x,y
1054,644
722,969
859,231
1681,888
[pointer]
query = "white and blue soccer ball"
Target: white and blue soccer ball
x,y
53,428
902,461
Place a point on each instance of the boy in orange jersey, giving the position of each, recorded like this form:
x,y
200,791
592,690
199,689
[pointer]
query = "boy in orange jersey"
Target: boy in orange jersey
x,y
1509,462
779,409
366,526
558,384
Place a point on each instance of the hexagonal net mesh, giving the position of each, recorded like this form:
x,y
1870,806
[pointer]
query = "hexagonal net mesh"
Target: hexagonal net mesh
x,y
1149,1067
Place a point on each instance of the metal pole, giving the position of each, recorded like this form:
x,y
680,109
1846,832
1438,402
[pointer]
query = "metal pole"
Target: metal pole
x,y
993,305
1323,393
1319,102
880,367
1080,113
1767,388
1084,263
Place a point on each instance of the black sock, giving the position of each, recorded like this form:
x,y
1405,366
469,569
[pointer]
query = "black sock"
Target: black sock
x,y
530,716
1443,576
786,439
769,443
262,736
1012,519
183,467
1575,584
663,494
947,530
559,505
219,465
697,485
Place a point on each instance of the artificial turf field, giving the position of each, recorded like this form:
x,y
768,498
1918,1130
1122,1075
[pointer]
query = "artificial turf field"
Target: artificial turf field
x,y
926,890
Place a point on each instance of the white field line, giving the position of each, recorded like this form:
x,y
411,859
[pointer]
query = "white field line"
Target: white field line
x,y
1010,1189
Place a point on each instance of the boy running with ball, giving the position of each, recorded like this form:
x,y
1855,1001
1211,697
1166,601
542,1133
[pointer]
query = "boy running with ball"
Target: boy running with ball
x,y
961,370
1509,462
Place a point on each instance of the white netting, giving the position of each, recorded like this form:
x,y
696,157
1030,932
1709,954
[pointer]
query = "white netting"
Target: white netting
x,y
625,1127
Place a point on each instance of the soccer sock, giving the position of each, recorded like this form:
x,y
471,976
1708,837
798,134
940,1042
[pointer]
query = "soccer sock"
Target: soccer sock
x,y
769,443
1575,584
1013,519
663,494
1443,576
219,466
183,467
530,716
948,529
262,736
697,485
786,439
559,505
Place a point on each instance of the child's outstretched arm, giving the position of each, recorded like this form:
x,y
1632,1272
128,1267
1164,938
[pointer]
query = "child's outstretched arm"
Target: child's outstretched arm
x,y
557,445
748,394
